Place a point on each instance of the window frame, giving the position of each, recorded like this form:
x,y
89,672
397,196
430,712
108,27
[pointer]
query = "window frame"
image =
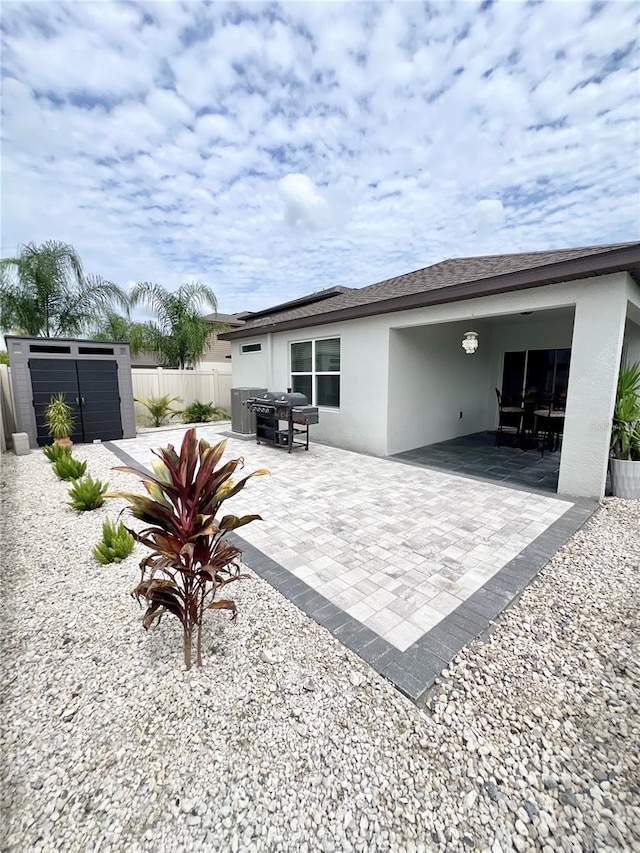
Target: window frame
x,y
313,373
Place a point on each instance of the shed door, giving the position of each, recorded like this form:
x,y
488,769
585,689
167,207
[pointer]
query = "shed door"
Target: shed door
x,y
90,388
50,376
100,398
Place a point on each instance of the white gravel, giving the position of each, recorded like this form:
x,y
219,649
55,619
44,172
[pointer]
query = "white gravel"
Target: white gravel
x,y
286,741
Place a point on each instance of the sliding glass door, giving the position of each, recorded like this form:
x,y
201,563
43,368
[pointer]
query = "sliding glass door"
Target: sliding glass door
x,y
539,373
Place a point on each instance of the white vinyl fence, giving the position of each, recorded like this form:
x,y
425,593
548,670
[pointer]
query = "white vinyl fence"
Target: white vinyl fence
x,y
7,417
205,386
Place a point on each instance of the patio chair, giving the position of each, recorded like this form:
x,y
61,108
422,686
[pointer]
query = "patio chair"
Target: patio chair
x,y
549,424
506,415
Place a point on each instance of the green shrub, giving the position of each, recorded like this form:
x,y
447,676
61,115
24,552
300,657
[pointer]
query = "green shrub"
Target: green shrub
x,y
59,417
191,560
87,494
625,435
53,452
159,408
198,412
116,544
69,468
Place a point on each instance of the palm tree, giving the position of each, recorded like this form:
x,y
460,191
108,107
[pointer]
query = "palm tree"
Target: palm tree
x,y
115,327
181,334
45,292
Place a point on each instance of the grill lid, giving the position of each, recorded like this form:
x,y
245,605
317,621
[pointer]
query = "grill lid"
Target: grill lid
x,y
269,397
290,399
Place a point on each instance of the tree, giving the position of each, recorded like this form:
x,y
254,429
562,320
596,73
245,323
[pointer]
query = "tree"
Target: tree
x,y
115,327
45,292
180,335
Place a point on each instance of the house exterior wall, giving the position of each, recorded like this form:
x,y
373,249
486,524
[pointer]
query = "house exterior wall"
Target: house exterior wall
x,y
380,372
251,369
217,351
432,382
361,421
596,350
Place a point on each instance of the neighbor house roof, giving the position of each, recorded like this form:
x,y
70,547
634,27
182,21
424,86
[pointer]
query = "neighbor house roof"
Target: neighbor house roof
x,y
227,319
303,301
448,281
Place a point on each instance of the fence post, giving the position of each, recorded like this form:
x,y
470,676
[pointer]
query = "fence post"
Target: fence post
x,y
160,382
216,387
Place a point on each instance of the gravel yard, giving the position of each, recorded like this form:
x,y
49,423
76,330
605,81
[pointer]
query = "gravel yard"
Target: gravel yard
x,y
285,740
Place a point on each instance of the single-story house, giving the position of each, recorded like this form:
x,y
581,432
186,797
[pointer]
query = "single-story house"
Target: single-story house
x,y
386,366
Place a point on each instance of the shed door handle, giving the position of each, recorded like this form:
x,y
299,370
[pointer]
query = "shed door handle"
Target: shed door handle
x,y
79,401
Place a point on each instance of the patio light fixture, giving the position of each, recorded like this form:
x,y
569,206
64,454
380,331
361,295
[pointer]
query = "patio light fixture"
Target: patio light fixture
x,y
470,342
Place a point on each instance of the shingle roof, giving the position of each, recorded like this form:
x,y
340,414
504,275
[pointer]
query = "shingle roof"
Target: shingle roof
x,y
451,273
311,298
229,319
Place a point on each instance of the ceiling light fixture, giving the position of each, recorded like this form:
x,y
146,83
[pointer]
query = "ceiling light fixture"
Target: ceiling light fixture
x,y
470,342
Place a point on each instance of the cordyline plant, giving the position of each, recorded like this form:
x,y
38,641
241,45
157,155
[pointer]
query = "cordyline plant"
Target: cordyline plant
x,y
190,558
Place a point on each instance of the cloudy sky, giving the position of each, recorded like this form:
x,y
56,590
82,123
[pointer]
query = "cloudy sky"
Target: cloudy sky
x,y
272,150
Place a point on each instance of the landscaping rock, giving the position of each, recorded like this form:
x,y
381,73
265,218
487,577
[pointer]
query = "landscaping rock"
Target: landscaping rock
x,y
527,743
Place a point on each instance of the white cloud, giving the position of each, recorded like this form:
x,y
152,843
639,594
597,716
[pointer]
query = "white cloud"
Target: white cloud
x,y
489,214
170,138
304,204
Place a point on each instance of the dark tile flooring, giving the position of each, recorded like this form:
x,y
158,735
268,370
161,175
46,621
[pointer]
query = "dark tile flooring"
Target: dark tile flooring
x,y
477,456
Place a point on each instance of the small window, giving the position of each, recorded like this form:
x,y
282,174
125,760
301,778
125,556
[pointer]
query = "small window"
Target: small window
x,y
315,371
48,348
251,347
95,350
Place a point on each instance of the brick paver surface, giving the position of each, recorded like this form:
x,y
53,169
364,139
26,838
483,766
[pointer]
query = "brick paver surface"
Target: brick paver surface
x,y
395,547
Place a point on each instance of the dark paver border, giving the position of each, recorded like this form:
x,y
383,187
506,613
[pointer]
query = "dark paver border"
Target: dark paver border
x,y
414,671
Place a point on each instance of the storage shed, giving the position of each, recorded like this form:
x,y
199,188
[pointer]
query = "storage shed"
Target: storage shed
x,y
94,376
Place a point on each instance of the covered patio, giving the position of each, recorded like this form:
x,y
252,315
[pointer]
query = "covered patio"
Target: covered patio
x,y
447,415
476,455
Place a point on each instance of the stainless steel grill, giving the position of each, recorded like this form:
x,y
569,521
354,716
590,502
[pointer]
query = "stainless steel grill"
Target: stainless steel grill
x,y
283,419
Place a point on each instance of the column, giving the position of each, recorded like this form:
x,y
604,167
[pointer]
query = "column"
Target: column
x,y
596,349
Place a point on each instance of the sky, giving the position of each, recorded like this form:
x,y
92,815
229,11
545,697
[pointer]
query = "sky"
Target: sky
x,y
272,150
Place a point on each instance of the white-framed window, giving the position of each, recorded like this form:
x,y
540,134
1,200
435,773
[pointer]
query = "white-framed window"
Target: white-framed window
x,y
315,371
251,348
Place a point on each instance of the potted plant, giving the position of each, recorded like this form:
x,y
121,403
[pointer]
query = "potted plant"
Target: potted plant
x,y
59,420
625,434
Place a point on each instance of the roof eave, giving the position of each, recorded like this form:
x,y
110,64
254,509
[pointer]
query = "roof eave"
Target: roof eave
x,y
619,260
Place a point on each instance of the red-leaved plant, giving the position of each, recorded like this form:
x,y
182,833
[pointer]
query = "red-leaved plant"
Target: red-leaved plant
x,y
190,558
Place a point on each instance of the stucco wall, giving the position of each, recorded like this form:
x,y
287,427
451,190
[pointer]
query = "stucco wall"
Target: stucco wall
x,y
361,421
432,382
596,350
251,369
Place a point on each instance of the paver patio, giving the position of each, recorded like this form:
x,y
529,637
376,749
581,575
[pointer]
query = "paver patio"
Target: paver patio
x,y
404,564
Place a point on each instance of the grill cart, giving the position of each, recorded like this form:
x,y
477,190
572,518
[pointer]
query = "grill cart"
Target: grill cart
x,y
283,419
